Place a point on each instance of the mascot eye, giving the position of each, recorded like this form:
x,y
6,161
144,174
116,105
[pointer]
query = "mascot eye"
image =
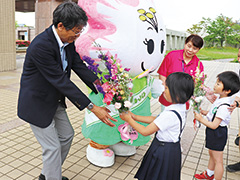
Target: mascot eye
x,y
162,45
150,45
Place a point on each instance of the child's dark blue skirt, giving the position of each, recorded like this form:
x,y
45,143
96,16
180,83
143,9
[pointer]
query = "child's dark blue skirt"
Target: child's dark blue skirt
x,y
216,139
162,161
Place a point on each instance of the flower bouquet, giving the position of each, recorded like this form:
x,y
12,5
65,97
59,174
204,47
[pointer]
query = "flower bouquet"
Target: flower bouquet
x,y
199,93
115,84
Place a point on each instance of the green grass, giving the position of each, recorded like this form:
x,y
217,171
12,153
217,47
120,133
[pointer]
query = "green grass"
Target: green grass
x,y
218,53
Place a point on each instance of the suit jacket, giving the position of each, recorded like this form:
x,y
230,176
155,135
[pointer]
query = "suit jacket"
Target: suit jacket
x,y
44,83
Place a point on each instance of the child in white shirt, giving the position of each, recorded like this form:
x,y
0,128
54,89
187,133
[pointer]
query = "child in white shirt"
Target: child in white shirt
x,y
217,120
162,161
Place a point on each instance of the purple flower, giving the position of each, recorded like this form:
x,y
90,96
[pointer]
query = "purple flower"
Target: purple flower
x,y
107,77
100,89
88,60
109,67
103,57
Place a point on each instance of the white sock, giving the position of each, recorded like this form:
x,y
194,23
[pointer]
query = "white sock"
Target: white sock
x,y
210,172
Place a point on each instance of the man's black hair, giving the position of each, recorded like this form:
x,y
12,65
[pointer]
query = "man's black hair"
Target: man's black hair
x,y
70,14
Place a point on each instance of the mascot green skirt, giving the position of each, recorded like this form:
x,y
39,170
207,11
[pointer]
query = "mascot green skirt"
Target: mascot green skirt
x,y
121,138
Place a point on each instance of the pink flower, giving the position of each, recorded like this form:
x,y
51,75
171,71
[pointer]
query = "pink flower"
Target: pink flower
x,y
110,61
108,54
106,87
119,97
107,152
108,98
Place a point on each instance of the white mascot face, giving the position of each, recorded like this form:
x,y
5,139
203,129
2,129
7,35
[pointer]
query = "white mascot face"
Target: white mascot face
x,y
132,29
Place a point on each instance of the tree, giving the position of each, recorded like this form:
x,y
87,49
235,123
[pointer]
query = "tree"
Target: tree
x,y
16,24
199,28
217,32
234,39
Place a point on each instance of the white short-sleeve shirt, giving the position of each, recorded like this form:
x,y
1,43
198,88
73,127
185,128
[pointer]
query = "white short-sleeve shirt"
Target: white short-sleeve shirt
x,y
222,112
169,123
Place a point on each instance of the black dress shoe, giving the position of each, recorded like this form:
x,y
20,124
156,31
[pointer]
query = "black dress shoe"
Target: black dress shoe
x,y
42,177
233,167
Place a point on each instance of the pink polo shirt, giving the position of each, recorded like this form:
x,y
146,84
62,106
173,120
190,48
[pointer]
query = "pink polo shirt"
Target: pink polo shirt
x,y
174,62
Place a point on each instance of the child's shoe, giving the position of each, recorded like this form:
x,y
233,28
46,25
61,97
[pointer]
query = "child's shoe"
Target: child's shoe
x,y
203,175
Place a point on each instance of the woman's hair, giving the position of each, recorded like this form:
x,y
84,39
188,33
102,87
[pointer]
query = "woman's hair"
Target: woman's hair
x,y
230,81
181,87
196,40
70,14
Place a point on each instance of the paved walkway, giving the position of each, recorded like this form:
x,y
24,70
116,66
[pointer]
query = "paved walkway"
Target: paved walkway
x,y
20,154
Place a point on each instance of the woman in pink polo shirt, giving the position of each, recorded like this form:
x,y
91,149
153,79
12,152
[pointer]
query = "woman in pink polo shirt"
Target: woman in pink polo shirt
x,y
184,60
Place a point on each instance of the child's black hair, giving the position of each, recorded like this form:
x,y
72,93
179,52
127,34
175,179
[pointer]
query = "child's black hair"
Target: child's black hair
x,y
181,87
230,81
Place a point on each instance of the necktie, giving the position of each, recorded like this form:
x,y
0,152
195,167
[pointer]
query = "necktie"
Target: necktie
x,y
63,57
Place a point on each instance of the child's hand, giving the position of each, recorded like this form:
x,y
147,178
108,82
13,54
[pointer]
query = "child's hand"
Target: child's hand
x,y
203,112
126,116
197,116
132,115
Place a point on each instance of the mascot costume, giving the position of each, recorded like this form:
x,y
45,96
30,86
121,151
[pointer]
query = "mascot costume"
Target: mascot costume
x,y
134,30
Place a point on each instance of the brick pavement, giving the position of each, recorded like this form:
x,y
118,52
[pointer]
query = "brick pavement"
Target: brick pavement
x,y
20,154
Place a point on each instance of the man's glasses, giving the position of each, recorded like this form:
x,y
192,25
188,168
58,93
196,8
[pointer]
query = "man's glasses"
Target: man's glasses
x,y
77,33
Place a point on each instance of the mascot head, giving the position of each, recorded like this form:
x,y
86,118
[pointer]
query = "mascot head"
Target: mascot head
x,y
132,29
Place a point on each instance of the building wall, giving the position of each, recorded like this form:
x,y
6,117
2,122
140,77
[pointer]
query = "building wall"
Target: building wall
x,y
43,14
175,39
7,35
27,32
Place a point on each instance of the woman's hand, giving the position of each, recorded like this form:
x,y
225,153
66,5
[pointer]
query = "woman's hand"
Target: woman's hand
x,y
232,107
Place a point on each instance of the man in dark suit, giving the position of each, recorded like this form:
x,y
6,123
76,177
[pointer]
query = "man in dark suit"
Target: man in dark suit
x,y
45,83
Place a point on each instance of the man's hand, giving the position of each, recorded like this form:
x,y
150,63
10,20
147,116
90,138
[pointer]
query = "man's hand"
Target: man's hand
x,y
103,114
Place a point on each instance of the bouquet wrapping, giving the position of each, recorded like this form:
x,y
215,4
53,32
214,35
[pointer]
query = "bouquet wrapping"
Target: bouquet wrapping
x,y
199,92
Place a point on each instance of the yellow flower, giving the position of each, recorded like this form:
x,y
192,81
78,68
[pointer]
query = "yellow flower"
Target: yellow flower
x,y
122,92
126,75
121,69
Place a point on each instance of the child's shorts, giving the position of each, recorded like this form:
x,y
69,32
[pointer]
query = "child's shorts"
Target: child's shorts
x,y
216,139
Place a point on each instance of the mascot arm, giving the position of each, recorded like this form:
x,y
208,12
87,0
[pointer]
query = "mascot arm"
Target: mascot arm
x,y
157,88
